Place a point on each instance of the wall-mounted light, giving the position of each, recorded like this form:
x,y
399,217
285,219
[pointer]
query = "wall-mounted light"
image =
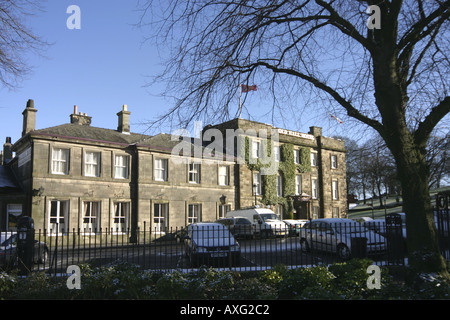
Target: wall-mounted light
x,y
38,192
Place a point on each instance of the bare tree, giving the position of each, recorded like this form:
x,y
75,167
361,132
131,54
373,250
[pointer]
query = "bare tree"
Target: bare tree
x,y
17,40
393,79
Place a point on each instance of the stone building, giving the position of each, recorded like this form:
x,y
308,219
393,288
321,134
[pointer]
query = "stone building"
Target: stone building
x,y
79,177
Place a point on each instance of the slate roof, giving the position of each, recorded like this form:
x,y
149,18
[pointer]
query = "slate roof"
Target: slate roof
x,y
70,130
7,180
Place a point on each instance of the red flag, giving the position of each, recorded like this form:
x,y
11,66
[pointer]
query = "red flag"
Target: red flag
x,y
337,119
246,88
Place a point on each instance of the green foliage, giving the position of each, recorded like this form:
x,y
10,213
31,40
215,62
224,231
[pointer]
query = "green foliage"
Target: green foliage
x,y
126,281
286,167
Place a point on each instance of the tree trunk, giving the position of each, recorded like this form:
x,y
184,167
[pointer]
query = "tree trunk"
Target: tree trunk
x,y
422,239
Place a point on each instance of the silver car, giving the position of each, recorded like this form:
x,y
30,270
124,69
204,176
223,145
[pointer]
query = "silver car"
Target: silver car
x,y
206,243
336,235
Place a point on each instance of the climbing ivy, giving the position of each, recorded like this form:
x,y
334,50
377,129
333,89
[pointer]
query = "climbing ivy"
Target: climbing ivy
x,y
287,168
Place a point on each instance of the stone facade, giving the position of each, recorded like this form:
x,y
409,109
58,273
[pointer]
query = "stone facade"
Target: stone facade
x,y
78,177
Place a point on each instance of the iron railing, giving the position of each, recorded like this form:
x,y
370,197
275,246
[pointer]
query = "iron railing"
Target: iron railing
x,y
383,242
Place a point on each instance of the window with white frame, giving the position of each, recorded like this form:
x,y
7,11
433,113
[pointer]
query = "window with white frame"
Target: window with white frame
x,y
298,184
194,173
120,217
91,216
256,149
194,213
121,166
224,175
223,209
58,217
335,213
92,164
334,163
160,171
276,151
313,159
256,183
335,189
314,188
279,185
60,161
297,159
160,217
13,212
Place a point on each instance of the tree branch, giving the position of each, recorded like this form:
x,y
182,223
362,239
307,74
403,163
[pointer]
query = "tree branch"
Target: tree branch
x,y
427,125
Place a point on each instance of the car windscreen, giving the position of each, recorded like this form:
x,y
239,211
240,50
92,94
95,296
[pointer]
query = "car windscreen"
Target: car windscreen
x,y
269,216
211,233
348,228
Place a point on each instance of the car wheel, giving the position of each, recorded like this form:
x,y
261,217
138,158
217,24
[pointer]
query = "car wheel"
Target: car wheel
x,y
343,251
304,245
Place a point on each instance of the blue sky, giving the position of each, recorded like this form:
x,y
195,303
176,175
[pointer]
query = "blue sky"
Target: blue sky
x,y
99,68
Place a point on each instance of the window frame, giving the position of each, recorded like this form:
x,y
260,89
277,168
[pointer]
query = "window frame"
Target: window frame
x,y
226,175
64,216
96,166
194,172
55,151
123,168
163,170
96,228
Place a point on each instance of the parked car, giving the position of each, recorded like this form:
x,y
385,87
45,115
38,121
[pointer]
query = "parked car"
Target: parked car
x,y
238,226
266,222
294,226
206,243
8,246
336,235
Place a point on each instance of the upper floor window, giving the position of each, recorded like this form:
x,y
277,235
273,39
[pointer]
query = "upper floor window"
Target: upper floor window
x,y
314,188
334,163
161,166
298,184
279,185
276,151
194,173
121,166
60,161
224,179
313,159
92,164
256,149
297,157
335,190
256,183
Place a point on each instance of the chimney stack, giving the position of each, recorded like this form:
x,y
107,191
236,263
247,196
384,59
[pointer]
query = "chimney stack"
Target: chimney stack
x,y
80,118
124,120
7,151
29,118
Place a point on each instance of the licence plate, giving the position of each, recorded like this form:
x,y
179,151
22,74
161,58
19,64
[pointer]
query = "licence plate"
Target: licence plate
x,y
218,254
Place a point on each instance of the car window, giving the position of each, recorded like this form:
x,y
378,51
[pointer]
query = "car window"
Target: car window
x,y
242,221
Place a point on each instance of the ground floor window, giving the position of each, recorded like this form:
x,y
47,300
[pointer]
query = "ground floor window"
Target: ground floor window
x,y
160,217
223,209
58,217
120,217
91,216
194,213
13,212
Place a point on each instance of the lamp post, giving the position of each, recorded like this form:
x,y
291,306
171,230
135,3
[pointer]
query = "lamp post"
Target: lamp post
x,y
255,189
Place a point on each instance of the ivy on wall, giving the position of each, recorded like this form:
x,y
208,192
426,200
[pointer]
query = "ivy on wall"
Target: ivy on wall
x,y
286,167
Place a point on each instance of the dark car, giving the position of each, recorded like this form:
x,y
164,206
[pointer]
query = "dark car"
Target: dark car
x,y
8,245
206,243
240,227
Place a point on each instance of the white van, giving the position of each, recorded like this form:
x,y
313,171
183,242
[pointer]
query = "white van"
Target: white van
x,y
266,222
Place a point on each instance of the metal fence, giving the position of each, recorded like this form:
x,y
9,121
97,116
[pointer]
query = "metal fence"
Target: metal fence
x,y
181,249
